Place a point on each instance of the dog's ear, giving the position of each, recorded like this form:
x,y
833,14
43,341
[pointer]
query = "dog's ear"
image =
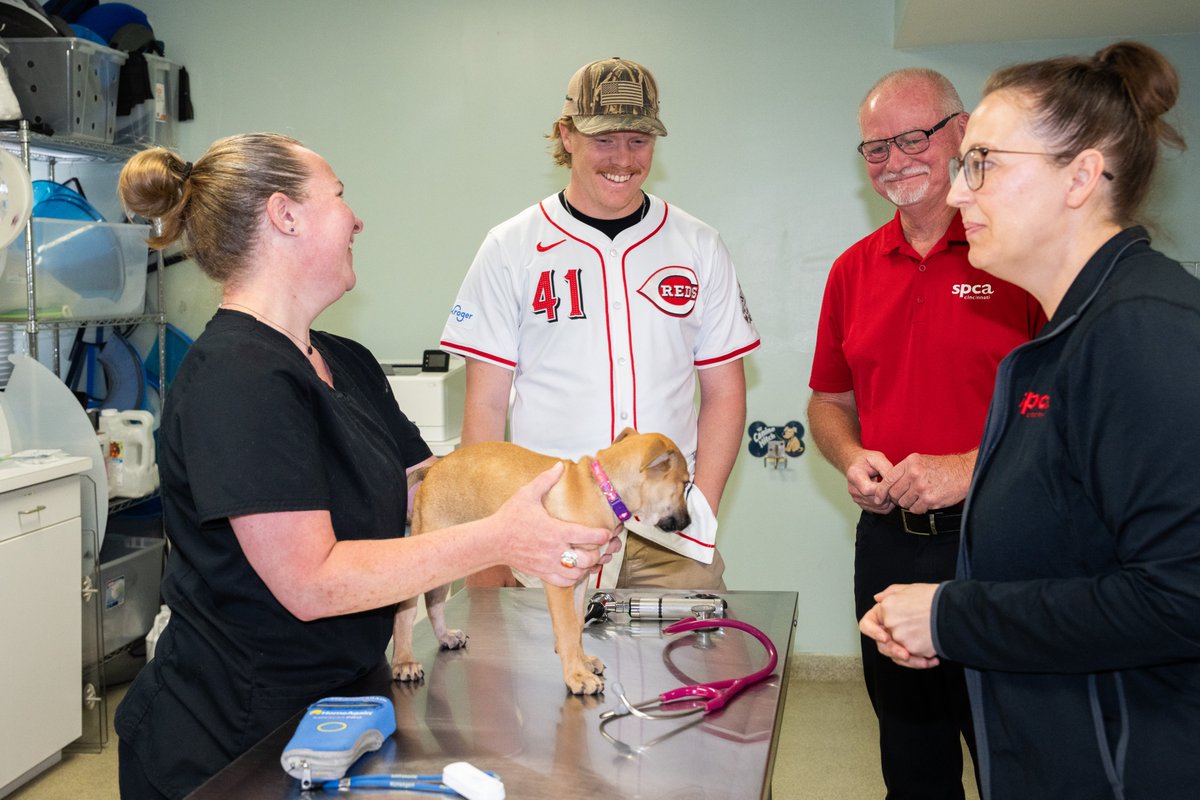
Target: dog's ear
x,y
625,433
659,463
659,455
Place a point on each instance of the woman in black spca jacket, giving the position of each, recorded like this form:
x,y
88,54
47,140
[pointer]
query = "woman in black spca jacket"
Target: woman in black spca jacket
x,y
1077,604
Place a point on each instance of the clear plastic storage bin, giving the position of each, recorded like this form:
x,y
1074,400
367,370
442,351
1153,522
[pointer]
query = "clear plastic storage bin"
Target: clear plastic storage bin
x,y
81,270
154,121
69,84
130,574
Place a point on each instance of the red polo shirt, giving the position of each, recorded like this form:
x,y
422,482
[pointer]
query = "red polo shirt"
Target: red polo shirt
x,y
917,340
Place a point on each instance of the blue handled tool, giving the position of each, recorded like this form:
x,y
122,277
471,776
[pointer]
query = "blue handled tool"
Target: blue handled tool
x,y
411,783
433,784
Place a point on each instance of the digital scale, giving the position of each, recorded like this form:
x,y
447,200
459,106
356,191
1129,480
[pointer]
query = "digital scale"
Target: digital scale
x,y
430,391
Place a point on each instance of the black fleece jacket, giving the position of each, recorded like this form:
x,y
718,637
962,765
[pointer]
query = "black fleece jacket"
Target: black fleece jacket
x,y
1077,603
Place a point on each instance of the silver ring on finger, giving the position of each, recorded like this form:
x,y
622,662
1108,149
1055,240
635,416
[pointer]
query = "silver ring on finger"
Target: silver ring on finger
x,y
569,559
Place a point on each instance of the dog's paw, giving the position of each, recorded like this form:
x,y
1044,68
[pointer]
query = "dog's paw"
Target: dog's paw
x,y
406,671
453,639
584,682
594,664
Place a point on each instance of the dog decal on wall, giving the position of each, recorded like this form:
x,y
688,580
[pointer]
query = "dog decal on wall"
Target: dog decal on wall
x,y
790,434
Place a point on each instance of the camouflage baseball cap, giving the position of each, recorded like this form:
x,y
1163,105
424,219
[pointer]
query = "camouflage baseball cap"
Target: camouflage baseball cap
x,y
613,94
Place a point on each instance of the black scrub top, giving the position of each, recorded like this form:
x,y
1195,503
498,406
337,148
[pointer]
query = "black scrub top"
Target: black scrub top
x,y
250,428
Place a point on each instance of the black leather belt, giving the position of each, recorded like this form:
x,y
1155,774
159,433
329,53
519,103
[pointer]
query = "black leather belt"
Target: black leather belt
x,y
939,522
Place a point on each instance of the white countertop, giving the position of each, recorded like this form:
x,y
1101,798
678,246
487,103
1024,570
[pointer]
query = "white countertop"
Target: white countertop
x,y
16,473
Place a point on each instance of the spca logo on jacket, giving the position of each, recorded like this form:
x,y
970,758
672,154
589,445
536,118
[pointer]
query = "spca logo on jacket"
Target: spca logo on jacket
x,y
1034,405
973,291
672,290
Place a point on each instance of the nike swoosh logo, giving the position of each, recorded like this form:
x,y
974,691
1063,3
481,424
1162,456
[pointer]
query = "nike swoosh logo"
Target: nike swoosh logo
x,y
541,248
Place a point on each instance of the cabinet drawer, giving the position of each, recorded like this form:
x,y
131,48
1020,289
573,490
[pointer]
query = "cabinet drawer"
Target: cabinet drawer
x,y
40,506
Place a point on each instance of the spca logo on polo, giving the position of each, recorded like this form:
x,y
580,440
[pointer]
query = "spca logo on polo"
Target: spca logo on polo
x,y
973,291
672,290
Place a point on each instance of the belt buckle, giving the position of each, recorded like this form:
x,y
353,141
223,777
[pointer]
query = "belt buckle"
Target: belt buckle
x,y
933,531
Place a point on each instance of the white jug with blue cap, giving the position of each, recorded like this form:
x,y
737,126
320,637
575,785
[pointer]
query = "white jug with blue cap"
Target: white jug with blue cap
x,y
132,471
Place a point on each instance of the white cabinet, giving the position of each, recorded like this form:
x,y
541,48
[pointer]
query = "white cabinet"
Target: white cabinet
x,y
40,622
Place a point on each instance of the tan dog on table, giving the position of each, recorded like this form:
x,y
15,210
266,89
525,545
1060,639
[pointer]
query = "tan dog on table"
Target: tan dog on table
x,y
647,473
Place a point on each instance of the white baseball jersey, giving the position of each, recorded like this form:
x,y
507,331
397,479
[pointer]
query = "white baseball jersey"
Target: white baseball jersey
x,y
601,334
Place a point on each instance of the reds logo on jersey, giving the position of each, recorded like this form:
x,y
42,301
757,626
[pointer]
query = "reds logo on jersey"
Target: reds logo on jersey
x,y
672,290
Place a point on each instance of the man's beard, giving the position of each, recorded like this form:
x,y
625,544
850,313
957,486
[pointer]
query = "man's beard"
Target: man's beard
x,y
906,194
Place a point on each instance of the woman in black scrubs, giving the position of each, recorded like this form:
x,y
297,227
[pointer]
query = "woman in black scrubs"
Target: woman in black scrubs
x,y
283,463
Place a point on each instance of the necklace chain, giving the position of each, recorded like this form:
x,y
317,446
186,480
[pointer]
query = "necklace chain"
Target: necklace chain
x,y
259,316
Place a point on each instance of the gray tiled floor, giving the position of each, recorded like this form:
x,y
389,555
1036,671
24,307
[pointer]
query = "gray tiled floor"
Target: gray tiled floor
x,y
827,751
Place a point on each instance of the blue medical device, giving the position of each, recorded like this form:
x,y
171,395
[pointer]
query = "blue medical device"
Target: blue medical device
x,y
334,733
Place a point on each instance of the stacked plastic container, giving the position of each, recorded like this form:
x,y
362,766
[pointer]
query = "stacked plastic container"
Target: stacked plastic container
x,y
83,270
68,84
154,121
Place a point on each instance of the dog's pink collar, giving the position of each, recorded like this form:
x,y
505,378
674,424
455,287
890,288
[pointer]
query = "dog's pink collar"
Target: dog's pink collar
x,y
610,493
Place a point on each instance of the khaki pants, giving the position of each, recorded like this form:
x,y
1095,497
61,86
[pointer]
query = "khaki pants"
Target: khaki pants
x,y
647,564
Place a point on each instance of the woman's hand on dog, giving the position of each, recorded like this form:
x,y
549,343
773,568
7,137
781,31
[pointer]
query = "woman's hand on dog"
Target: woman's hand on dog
x,y
536,540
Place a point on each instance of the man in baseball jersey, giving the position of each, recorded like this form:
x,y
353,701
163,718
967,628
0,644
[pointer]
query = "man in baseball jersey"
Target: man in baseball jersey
x,y
601,308
908,342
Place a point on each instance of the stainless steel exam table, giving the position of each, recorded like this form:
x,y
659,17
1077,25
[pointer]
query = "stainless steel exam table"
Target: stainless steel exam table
x,y
501,704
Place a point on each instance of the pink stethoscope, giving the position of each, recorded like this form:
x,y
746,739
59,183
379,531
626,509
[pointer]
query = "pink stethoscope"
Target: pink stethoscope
x,y
707,697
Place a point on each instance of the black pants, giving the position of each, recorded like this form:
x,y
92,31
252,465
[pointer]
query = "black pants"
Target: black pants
x,y
921,712
133,781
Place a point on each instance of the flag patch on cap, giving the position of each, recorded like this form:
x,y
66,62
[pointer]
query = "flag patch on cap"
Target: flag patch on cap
x,y
621,93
